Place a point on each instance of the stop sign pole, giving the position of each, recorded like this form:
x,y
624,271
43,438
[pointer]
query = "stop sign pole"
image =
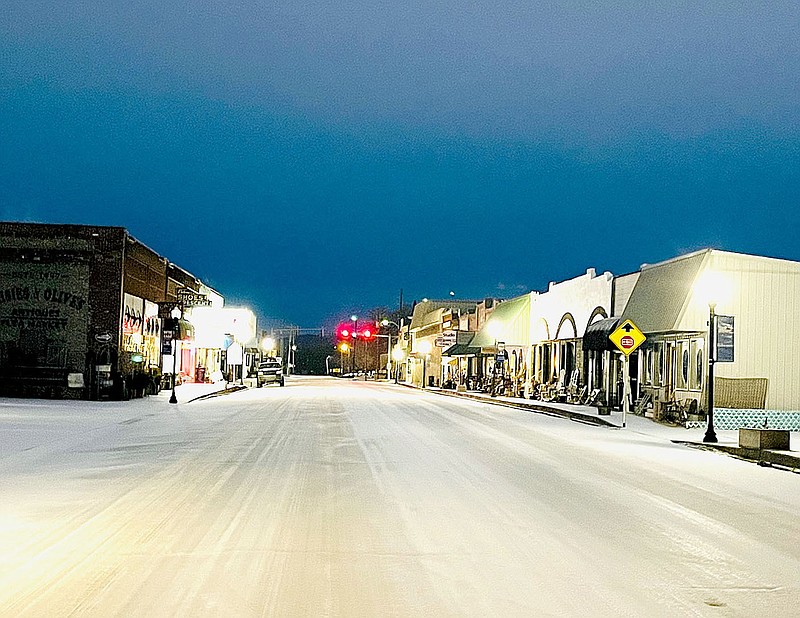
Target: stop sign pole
x,y
627,337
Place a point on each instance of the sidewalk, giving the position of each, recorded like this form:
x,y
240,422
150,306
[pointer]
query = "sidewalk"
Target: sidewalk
x,y
191,391
728,440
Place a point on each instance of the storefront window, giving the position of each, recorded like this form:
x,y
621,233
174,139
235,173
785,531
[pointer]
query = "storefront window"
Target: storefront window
x,y
658,373
683,376
699,368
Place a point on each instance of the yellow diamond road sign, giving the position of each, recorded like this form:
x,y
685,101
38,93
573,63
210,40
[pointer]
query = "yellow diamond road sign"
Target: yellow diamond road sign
x,y
627,337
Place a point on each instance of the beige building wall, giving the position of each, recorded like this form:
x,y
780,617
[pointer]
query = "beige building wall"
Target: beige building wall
x,y
763,295
579,297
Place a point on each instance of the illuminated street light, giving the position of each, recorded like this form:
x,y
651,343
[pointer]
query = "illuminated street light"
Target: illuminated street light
x,y
398,355
385,322
495,329
176,315
268,344
344,348
354,318
711,288
424,348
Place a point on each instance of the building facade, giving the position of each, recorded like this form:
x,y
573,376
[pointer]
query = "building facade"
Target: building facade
x,y
79,312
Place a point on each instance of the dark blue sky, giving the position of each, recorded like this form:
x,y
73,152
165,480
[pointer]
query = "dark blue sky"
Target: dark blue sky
x,y
312,159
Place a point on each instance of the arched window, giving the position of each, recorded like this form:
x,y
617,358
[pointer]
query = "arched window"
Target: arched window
x,y
685,368
700,368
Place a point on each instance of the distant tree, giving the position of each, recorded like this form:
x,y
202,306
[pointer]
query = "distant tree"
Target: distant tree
x,y
312,350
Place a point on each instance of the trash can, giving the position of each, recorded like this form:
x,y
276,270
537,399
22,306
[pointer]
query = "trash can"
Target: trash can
x,y
200,374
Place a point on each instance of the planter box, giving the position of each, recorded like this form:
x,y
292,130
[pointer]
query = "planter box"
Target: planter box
x,y
771,439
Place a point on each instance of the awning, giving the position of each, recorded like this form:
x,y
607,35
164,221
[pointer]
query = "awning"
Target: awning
x,y
596,336
461,349
509,324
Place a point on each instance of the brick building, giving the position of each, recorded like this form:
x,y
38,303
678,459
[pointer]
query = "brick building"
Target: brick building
x,y
78,310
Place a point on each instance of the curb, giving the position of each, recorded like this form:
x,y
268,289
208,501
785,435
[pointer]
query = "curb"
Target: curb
x,y
578,417
781,460
764,457
224,391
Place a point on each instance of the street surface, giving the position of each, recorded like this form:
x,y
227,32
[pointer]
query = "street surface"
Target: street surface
x,y
337,498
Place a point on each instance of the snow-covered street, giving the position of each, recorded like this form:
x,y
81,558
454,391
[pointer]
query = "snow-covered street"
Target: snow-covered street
x,y
336,498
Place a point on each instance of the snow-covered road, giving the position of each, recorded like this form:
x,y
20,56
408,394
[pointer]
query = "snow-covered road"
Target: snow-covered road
x,y
334,498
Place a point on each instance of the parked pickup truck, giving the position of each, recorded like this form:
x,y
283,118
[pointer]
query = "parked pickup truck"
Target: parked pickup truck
x,y
269,372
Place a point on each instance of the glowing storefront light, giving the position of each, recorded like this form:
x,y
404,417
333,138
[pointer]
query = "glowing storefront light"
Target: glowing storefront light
x,y
211,325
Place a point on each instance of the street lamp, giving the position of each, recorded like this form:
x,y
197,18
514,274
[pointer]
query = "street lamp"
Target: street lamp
x,y
268,345
494,328
386,323
176,315
344,347
424,348
711,287
354,334
711,435
398,355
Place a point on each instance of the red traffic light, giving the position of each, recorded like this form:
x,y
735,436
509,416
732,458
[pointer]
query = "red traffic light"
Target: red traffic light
x,y
343,332
367,334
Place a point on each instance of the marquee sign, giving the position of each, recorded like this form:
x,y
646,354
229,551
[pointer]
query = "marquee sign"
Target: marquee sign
x,y
188,298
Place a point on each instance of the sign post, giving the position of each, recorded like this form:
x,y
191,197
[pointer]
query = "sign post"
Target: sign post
x,y
627,337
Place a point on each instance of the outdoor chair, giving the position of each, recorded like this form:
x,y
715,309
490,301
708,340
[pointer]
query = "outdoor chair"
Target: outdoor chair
x,y
579,396
594,397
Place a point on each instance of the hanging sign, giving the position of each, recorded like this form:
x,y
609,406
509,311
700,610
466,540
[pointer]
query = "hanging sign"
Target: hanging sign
x,y
166,308
724,339
188,298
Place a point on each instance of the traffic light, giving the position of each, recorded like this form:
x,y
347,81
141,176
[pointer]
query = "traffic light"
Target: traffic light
x,y
343,332
368,334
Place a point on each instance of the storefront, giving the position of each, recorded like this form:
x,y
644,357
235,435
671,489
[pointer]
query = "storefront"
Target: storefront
x,y
757,380
79,313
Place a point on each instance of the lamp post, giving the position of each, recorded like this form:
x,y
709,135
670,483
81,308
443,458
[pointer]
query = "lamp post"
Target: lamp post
x,y
343,348
494,328
711,435
176,315
385,323
397,355
354,334
424,348
712,288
